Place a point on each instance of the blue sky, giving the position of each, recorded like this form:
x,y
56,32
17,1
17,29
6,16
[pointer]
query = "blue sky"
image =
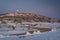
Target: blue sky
x,y
50,8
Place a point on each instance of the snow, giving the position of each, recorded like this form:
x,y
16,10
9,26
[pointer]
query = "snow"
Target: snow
x,y
43,24
55,35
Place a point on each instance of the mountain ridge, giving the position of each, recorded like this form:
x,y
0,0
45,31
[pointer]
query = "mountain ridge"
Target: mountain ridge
x,y
28,17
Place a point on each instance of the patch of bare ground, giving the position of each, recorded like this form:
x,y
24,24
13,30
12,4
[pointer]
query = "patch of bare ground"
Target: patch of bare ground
x,y
44,29
31,32
18,34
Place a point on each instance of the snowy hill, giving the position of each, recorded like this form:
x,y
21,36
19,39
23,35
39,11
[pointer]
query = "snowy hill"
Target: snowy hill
x,y
26,17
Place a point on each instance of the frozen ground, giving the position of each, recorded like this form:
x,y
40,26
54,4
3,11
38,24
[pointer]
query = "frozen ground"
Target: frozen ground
x,y
53,35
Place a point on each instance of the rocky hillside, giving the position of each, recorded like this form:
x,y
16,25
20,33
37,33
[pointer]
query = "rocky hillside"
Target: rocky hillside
x,y
26,17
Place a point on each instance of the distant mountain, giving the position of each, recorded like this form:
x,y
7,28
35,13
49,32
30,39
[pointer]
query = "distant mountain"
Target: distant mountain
x,y
26,17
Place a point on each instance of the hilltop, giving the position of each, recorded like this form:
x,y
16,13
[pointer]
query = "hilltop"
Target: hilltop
x,y
26,17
